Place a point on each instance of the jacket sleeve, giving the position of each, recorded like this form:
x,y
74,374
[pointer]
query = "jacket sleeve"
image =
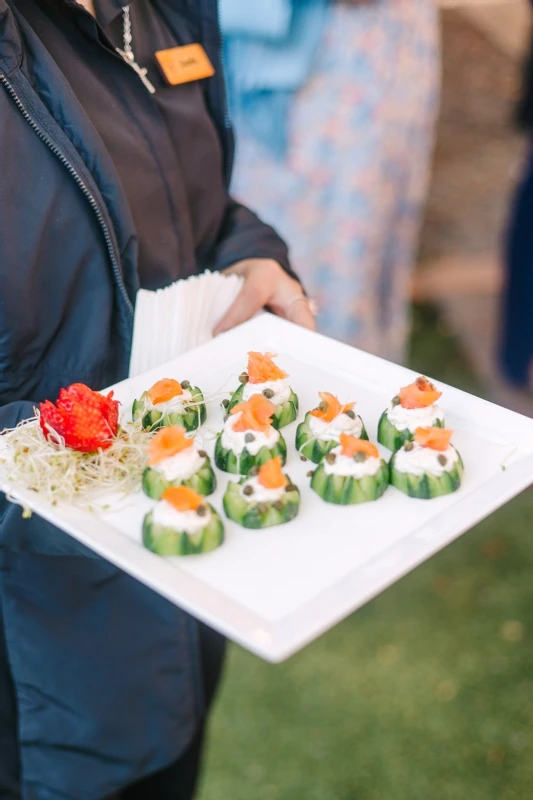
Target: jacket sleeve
x,y
13,413
244,235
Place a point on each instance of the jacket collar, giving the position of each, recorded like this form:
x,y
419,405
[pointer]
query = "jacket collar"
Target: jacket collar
x,y
10,43
108,10
11,48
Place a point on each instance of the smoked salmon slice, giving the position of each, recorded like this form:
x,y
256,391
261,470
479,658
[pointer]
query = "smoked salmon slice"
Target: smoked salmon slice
x,y
166,443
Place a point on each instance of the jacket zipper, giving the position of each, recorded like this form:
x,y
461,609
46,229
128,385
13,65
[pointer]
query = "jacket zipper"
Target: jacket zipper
x,y
72,171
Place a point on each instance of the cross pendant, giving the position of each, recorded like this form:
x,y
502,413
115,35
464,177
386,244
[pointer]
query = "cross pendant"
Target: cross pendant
x,y
141,71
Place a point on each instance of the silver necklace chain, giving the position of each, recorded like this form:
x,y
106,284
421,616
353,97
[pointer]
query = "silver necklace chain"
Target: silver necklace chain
x,y
127,51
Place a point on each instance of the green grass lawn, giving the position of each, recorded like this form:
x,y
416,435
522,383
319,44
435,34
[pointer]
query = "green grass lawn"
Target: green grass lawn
x,y
424,694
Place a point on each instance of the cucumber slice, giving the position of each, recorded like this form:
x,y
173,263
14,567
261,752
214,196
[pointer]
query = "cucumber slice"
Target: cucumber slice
x,y
204,481
236,398
169,542
285,412
392,438
348,490
228,461
312,448
250,514
192,417
427,487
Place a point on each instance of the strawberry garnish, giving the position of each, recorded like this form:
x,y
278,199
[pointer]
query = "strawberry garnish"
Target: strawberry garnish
x,y
86,420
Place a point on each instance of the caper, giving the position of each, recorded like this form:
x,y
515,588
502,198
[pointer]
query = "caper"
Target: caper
x,y
225,403
442,460
310,473
248,490
243,377
262,508
254,471
395,401
408,446
323,406
331,458
278,505
268,393
290,487
249,437
360,458
201,511
202,453
350,413
185,384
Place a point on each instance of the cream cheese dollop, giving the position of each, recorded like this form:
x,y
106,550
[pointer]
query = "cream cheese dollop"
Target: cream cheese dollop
x,y
190,522
181,466
174,405
261,494
281,389
236,440
425,461
331,431
349,467
412,418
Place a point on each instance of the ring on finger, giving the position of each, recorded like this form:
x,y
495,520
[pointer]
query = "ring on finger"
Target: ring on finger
x,y
311,304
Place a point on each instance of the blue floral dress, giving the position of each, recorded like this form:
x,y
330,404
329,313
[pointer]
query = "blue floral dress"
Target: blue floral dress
x,y
349,196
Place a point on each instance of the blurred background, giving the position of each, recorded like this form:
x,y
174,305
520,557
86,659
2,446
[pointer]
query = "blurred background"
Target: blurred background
x,y
427,692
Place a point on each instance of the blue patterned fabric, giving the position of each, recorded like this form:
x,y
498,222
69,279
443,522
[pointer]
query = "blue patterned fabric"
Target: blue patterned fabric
x,y
348,196
266,62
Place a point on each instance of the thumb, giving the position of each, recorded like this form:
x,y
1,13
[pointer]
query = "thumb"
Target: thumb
x,y
248,302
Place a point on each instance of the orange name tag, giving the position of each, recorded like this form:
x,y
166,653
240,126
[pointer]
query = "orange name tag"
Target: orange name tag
x,y
184,64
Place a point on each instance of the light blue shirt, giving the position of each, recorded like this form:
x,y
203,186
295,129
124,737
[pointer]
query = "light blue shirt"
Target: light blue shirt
x,y
270,47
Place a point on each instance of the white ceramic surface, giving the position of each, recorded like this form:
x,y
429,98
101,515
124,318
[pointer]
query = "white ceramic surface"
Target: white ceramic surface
x,y
274,591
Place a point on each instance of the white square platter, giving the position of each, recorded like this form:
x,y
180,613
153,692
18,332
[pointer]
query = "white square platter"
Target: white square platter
x,y
276,590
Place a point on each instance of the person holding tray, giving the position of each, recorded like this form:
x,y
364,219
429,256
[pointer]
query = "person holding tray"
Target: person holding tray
x,y
116,155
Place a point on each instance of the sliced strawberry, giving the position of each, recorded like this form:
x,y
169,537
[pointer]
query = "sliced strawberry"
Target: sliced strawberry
x,y
86,420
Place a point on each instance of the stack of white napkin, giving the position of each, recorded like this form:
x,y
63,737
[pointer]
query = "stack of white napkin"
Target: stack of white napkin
x,y
171,321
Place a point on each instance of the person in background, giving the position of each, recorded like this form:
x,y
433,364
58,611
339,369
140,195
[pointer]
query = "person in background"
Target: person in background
x,y
516,344
335,106
114,176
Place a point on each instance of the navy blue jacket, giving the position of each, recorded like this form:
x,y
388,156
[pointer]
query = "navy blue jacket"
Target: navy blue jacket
x,y
98,676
